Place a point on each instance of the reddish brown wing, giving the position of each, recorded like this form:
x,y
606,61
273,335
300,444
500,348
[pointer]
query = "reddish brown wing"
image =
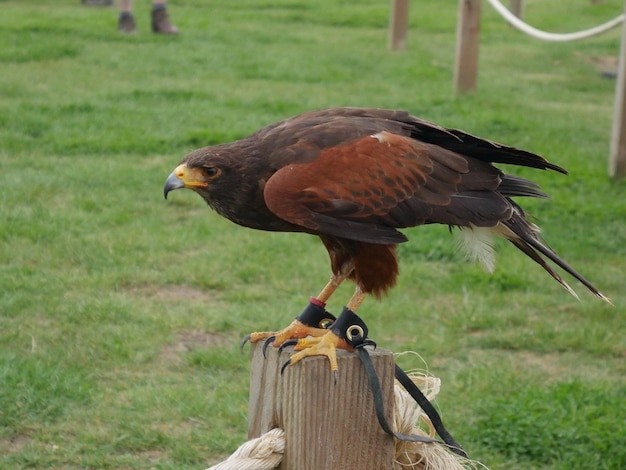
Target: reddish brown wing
x,y
367,188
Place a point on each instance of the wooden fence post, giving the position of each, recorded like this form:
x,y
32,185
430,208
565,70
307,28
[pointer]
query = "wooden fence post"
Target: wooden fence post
x,y
326,425
398,24
467,40
517,8
617,155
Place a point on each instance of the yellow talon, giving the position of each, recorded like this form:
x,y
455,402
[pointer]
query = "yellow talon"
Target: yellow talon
x,y
296,330
325,345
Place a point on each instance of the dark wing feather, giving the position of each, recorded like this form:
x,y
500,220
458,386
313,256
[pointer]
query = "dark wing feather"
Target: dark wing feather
x,y
477,147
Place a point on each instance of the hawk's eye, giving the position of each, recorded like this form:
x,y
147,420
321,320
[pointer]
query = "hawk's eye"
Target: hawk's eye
x,y
211,171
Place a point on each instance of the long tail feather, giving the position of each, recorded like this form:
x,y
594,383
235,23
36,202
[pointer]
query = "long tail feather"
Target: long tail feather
x,y
525,237
524,247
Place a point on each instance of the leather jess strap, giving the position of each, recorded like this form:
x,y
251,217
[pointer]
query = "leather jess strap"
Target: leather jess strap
x,y
353,329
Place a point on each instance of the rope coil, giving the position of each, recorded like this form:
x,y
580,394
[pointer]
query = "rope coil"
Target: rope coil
x,y
555,37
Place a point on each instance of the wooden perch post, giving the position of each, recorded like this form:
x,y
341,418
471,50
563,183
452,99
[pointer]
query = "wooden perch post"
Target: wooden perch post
x,y
398,24
617,153
326,425
467,39
517,8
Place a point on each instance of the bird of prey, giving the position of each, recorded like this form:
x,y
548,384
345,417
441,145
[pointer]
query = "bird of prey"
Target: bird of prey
x,y
353,177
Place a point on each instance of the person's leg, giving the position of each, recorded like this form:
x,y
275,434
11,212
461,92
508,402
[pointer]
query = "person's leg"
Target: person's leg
x,y
160,19
126,23
126,6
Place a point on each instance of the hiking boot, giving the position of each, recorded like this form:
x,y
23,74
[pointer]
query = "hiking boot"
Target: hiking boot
x,y
161,21
126,23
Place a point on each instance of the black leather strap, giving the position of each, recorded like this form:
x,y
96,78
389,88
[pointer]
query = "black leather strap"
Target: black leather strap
x,y
378,400
353,329
314,315
430,411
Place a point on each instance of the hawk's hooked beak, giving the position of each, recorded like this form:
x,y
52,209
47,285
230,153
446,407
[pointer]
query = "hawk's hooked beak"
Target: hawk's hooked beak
x,y
171,183
183,177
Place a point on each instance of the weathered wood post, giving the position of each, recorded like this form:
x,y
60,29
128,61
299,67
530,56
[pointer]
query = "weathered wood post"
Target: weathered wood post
x,y
467,40
617,155
326,425
398,24
517,8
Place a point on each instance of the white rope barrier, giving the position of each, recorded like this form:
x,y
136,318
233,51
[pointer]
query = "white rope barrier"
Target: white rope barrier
x,y
555,37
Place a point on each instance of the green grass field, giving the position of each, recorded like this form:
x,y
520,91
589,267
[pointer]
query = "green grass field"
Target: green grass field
x,y
121,313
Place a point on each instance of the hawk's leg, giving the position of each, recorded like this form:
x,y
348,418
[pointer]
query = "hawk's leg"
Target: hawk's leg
x,y
345,333
313,321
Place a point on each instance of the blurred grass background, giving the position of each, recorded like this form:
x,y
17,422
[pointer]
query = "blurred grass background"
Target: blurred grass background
x,y
121,314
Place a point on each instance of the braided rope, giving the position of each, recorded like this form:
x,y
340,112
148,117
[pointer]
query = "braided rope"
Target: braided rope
x,y
555,37
263,453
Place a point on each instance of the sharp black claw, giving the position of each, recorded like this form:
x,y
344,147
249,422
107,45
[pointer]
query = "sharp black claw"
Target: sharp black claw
x,y
266,344
289,342
284,366
244,341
